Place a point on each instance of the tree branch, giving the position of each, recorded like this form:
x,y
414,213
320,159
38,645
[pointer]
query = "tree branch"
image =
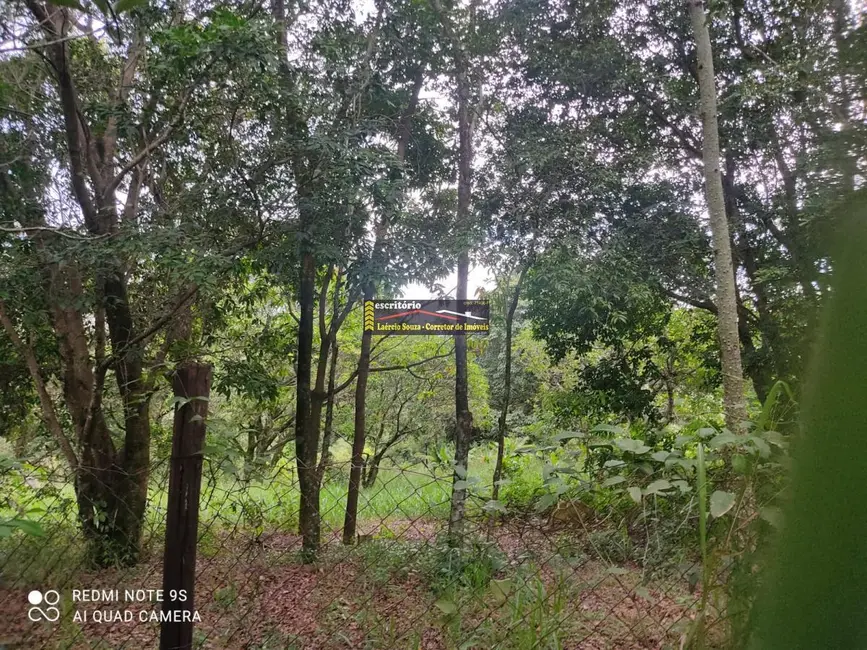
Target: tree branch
x,y
49,414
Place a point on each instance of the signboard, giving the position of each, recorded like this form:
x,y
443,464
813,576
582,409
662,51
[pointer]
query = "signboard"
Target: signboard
x,y
437,317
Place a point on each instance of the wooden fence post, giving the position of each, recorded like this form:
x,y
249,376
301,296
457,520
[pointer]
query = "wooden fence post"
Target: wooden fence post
x,y
192,387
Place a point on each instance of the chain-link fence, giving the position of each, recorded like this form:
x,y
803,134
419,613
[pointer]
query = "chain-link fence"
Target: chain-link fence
x,y
573,577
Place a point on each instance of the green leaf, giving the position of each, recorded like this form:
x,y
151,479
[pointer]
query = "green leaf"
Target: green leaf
x,y
447,607
761,446
546,501
740,464
28,527
660,456
501,588
721,502
613,480
568,435
772,515
644,593
680,441
724,439
683,486
635,493
632,445
461,471
776,438
658,487
461,485
126,5
493,504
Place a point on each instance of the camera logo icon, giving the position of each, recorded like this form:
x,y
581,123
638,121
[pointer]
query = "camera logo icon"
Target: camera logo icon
x,y
50,598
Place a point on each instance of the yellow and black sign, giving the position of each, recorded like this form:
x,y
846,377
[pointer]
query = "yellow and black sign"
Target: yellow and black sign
x,y
442,317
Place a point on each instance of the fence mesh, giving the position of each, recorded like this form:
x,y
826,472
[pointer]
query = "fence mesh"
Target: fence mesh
x,y
571,579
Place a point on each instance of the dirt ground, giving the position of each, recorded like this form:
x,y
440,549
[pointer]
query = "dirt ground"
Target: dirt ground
x,y
254,594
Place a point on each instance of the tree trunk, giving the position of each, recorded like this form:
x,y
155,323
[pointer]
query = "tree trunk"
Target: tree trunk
x,y
372,471
507,384
350,520
305,448
328,430
733,380
464,418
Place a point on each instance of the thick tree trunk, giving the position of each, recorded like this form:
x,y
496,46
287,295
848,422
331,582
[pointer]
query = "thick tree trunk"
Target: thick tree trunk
x,y
507,383
305,448
733,379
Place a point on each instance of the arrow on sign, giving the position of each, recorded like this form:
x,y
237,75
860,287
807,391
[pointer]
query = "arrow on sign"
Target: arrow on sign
x,y
456,313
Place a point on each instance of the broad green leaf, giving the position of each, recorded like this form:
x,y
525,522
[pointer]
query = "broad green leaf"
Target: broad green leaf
x,y
681,485
635,493
461,485
447,607
631,445
776,438
613,480
740,464
28,527
660,456
724,439
761,446
721,502
658,487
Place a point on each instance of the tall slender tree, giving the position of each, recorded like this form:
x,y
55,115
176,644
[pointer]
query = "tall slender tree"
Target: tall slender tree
x,y
726,291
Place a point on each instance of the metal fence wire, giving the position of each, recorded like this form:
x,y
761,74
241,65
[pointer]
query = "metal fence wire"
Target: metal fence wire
x,y
572,579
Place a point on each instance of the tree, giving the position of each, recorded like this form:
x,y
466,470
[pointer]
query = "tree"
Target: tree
x,y
113,110
467,113
727,308
400,22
